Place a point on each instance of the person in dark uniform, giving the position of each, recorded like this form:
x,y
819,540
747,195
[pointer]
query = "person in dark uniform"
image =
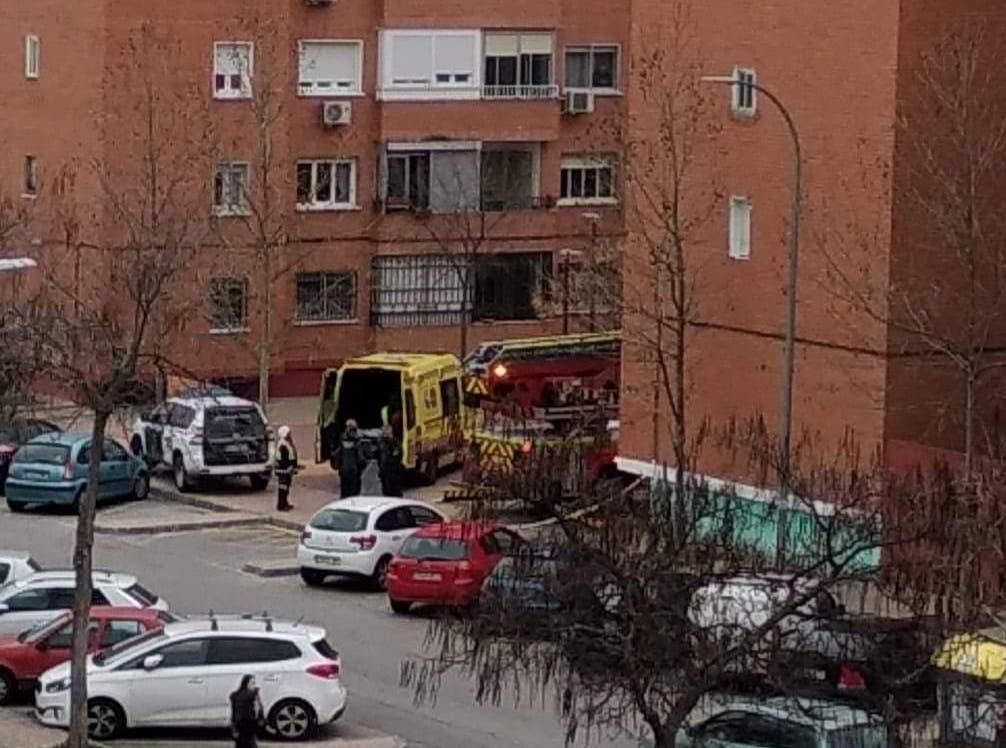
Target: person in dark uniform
x,y
349,461
246,713
390,463
286,465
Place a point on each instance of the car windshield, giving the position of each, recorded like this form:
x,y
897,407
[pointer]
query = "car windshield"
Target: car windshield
x,y
125,645
858,736
339,520
44,454
438,549
224,423
40,630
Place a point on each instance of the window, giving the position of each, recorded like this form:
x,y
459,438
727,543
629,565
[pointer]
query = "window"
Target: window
x,y
181,416
32,56
29,600
239,650
394,519
63,638
743,94
421,516
408,181
586,180
740,228
66,596
592,67
330,68
326,185
518,66
326,297
450,397
508,286
228,304
190,653
439,63
230,189
509,176
119,631
232,70
113,452
4,572
30,175
430,289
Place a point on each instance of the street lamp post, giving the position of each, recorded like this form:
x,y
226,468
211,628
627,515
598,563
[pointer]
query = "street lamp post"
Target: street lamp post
x,y
789,345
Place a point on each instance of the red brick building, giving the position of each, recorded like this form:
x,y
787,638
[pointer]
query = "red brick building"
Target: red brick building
x,y
383,117
849,74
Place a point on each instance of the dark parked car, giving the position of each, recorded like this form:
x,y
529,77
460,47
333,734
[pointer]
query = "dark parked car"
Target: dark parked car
x,y
13,435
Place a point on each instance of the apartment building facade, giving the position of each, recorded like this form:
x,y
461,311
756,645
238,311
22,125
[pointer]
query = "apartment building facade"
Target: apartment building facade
x,y
399,141
851,76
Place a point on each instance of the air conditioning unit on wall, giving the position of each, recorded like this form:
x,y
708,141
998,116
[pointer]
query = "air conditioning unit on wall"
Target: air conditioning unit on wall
x,y
336,113
578,102
319,2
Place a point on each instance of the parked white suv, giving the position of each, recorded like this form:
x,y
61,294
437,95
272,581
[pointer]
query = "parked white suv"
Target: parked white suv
x,y
47,594
182,676
205,433
357,537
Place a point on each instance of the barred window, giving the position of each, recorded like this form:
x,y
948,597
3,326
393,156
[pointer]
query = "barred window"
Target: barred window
x,y
325,297
228,304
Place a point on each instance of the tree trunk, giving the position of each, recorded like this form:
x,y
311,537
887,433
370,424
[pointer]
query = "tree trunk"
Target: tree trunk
x,y
465,286
969,420
265,345
83,564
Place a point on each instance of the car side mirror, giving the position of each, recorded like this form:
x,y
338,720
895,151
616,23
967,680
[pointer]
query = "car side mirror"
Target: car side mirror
x,y
152,662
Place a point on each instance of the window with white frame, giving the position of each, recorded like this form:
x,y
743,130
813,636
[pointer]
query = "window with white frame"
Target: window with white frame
x,y
30,186
744,98
330,68
326,297
32,56
407,184
518,65
592,67
230,189
586,180
326,184
445,63
740,228
232,70
228,304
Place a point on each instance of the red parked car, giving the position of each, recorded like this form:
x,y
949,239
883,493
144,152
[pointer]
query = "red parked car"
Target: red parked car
x,y
23,658
446,564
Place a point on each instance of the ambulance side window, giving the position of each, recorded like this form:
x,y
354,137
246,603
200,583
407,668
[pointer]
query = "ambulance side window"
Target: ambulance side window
x,y
410,409
450,398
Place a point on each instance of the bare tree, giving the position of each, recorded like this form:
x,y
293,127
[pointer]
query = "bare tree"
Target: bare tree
x,y
99,347
944,308
670,199
613,615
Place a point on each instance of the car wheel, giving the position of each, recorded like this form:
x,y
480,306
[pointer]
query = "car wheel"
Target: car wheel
x,y
16,506
74,507
105,719
400,606
8,686
312,577
259,482
182,481
379,579
292,719
141,486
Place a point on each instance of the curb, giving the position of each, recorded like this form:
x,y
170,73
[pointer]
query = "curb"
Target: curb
x,y
270,569
182,498
180,526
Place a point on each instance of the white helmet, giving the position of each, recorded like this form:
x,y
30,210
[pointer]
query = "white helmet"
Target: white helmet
x,y
283,432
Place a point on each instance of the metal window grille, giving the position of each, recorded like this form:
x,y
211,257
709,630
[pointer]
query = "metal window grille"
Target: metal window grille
x,y
323,297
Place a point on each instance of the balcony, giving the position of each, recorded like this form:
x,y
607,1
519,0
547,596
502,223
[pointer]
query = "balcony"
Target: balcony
x,y
520,93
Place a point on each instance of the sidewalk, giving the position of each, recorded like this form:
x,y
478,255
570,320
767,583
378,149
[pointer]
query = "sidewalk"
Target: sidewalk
x,y
19,729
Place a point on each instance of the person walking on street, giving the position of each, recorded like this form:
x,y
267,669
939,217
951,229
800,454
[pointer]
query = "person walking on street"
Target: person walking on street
x,y
390,463
246,713
286,466
349,461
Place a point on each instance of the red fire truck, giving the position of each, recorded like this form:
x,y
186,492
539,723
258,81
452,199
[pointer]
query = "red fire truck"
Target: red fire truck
x,y
550,398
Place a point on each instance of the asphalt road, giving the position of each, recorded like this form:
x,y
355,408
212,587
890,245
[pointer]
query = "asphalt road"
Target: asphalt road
x,y
200,571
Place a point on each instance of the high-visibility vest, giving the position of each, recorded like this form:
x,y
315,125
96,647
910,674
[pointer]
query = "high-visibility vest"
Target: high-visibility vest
x,y
384,415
